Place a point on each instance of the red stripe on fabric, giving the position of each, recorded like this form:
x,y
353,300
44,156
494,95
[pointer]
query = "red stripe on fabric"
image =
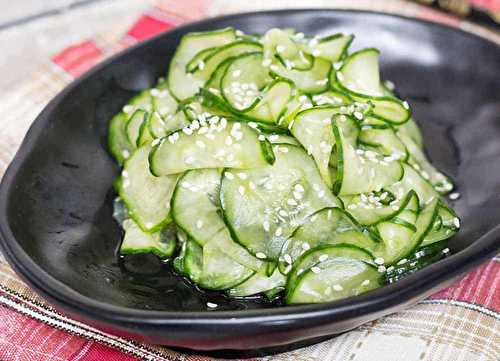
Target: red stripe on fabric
x,y
438,16
490,5
188,10
479,287
148,26
40,342
99,352
78,58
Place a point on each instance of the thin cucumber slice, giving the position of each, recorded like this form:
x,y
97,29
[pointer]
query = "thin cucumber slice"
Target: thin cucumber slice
x,y
313,129
212,61
384,141
145,135
398,232
244,77
327,226
332,48
446,225
332,97
147,197
119,145
411,130
217,143
360,77
181,83
160,127
161,243
196,62
212,269
314,80
420,259
280,46
421,164
141,101
262,206
331,272
162,100
370,208
273,103
259,283
134,125
196,210
359,171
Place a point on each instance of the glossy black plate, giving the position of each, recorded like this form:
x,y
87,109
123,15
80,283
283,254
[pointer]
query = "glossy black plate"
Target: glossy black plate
x,y
56,197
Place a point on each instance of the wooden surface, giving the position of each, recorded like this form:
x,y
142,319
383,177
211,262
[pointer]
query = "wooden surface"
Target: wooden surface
x,y
33,30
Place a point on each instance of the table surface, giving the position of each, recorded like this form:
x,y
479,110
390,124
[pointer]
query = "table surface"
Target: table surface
x,y
33,30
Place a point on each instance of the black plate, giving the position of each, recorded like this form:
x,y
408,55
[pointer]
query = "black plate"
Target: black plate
x,y
56,197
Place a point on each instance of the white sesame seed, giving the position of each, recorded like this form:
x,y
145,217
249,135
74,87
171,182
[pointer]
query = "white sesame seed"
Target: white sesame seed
x,y
125,174
274,137
337,65
128,109
187,131
456,222
266,62
280,48
236,73
278,232
402,261
338,288
189,160
201,65
253,125
406,105
446,250
381,269
358,115
340,76
241,190
306,246
291,202
260,255
352,206
323,258
297,195
149,225
316,269
229,175
365,283
126,183
299,188
199,223
454,195
261,138
287,258
242,175
316,52
379,260
266,225
283,149
283,213
212,305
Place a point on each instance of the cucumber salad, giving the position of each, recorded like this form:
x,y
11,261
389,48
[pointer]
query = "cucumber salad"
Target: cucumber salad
x,y
278,166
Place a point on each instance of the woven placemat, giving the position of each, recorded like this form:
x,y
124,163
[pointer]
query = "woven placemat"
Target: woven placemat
x,y
459,323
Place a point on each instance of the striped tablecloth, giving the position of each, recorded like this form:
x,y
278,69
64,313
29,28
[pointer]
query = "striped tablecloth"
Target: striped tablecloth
x,y
460,323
